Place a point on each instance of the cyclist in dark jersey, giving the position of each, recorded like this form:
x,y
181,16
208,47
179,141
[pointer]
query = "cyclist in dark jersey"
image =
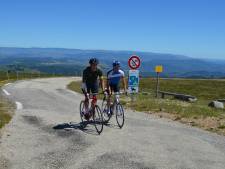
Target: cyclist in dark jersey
x,y
90,82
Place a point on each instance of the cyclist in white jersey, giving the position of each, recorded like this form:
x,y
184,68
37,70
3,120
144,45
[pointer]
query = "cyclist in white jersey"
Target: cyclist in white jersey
x,y
113,79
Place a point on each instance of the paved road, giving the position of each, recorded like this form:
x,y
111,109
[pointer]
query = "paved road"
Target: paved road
x,y
45,133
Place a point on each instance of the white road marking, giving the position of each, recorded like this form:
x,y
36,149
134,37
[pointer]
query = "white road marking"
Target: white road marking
x,y
7,93
19,106
7,84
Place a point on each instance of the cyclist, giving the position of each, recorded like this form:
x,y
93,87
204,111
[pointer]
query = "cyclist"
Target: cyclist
x,y
90,83
113,80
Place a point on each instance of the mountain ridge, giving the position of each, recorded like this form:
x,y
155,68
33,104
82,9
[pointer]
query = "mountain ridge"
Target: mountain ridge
x,y
68,61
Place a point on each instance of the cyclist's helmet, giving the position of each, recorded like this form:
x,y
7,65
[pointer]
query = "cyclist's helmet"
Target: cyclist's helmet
x,y
93,61
116,63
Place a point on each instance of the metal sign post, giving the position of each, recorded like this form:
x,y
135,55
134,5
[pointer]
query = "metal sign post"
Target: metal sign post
x,y
158,69
157,85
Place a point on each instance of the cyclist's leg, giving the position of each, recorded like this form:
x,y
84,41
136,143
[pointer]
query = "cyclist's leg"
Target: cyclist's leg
x,y
109,95
94,91
116,88
86,96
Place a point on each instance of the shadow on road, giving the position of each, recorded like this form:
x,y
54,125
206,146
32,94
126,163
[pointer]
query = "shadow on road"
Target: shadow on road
x,y
111,125
82,126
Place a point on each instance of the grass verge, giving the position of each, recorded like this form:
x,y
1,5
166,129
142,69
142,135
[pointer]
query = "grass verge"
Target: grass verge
x,y
195,114
6,109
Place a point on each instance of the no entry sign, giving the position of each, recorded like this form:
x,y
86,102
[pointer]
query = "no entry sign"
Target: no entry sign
x,y
134,62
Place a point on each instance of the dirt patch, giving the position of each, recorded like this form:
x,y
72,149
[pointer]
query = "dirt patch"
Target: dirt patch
x,y
34,120
56,159
4,163
118,160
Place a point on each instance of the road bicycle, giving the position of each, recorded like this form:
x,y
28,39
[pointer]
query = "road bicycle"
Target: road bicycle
x,y
115,108
94,111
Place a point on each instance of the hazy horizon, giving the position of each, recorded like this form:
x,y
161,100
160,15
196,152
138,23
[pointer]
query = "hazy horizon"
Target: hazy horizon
x,y
158,52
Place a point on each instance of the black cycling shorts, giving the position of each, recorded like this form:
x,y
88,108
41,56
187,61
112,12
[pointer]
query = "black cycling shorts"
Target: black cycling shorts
x,y
93,88
114,87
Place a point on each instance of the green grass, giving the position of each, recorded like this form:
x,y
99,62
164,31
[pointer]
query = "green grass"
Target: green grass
x,y
4,117
182,109
202,89
76,86
222,127
5,107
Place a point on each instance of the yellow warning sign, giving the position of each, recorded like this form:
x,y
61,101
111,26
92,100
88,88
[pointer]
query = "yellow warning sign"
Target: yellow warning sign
x,y
159,69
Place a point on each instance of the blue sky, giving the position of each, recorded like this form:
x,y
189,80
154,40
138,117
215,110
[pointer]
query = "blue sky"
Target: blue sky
x,y
191,27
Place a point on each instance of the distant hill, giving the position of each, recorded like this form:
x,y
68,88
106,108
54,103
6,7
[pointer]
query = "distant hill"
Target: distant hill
x,y
72,61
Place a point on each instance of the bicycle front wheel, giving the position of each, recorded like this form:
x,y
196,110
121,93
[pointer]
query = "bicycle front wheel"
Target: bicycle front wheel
x,y
105,111
98,119
119,115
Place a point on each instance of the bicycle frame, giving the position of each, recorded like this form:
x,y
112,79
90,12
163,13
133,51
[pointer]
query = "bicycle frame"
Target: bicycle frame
x,y
115,106
93,110
116,98
91,97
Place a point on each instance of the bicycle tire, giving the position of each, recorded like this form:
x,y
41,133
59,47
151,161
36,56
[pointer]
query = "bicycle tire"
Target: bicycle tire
x,y
81,111
98,119
105,109
120,115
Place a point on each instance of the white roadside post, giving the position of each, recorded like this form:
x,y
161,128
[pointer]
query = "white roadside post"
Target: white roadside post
x,y
134,63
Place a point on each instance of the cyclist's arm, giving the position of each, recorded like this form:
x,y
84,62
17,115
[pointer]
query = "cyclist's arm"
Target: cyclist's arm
x,y
124,83
102,82
84,76
107,83
84,80
101,79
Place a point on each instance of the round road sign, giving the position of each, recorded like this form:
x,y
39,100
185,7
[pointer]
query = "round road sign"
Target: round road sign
x,y
134,62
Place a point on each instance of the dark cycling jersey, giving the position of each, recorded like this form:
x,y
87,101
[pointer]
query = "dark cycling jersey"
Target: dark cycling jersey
x,y
91,77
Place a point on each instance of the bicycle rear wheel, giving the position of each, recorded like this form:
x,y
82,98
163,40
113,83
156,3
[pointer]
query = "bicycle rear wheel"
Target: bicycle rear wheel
x,y
105,111
82,108
119,115
98,119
